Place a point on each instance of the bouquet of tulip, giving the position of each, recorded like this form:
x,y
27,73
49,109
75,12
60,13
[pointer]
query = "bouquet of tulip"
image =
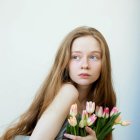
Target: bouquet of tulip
x,y
101,120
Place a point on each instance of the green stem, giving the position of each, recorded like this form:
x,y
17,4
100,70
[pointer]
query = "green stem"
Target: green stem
x,y
84,132
96,130
74,131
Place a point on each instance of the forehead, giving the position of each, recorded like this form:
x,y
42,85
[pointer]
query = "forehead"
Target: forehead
x,y
85,44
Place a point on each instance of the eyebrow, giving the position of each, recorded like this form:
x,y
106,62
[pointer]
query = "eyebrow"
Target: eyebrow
x,y
91,52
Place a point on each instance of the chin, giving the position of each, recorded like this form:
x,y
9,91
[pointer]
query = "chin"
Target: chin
x,y
83,83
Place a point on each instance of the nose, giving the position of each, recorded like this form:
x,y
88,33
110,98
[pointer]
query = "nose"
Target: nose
x,y
84,64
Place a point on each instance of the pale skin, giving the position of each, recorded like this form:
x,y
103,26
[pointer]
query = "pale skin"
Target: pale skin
x,y
45,126
85,58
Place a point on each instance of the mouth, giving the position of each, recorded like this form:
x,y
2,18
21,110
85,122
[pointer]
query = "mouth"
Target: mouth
x,y
84,75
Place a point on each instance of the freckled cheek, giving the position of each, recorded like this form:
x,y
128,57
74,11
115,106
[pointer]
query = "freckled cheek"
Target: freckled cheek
x,y
73,66
99,68
96,68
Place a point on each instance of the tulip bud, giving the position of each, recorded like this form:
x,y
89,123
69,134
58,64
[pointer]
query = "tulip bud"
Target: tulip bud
x,y
91,120
99,111
118,120
106,112
90,107
84,118
114,111
96,110
84,115
125,123
73,110
72,121
82,123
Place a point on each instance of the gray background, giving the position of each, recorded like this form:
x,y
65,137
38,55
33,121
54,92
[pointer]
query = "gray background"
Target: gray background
x,y
30,33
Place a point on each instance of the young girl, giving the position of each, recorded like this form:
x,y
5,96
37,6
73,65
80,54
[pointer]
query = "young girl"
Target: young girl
x,y
81,72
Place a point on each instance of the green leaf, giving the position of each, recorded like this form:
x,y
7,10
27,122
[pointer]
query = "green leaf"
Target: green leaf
x,y
68,129
103,135
108,125
81,132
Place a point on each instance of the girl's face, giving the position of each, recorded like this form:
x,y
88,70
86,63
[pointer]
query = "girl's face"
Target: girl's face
x,y
85,63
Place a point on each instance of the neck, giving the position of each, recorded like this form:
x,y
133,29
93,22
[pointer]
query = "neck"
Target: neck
x,y
83,92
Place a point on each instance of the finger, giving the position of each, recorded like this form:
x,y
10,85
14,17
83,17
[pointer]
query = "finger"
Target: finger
x,y
90,131
72,137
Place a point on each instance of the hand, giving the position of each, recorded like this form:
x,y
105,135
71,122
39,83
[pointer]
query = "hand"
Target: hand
x,y
91,136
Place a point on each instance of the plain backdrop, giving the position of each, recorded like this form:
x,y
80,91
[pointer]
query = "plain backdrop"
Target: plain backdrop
x,y
30,33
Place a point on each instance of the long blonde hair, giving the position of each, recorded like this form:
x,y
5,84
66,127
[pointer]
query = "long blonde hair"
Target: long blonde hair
x,y
102,91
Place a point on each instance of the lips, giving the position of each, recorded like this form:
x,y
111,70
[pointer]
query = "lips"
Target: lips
x,y
84,75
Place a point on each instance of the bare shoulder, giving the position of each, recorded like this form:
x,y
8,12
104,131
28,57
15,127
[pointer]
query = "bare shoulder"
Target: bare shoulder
x,y
69,88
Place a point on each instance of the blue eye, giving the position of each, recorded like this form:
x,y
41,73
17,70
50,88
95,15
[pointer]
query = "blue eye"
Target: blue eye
x,y
75,57
93,58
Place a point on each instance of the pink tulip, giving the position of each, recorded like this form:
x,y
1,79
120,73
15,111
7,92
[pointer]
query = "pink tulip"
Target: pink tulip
x,y
73,110
106,112
91,120
125,123
84,118
72,121
99,111
114,111
90,107
84,115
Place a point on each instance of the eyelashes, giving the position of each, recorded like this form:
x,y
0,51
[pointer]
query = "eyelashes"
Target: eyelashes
x,y
92,57
75,57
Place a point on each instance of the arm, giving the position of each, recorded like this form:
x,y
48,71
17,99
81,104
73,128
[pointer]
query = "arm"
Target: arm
x,y
53,117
